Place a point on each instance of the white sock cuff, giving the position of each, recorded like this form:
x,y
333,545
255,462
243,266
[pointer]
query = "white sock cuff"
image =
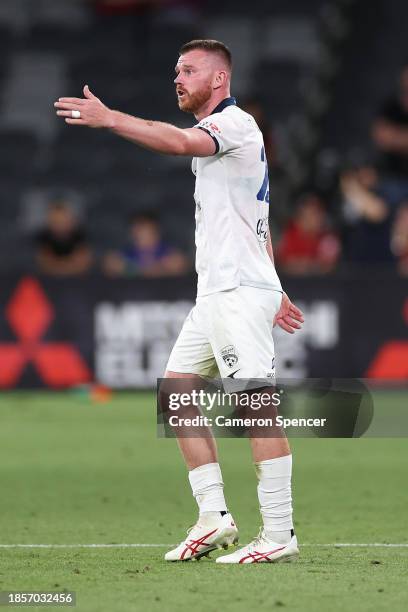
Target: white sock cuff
x,y
277,467
205,475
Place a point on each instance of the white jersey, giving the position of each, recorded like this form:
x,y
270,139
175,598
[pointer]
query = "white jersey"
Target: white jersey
x,y
232,205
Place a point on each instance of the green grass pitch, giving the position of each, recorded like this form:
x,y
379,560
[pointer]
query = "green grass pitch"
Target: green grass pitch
x,y
74,472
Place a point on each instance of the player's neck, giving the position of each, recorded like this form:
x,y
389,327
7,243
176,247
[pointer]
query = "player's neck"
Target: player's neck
x,y
208,108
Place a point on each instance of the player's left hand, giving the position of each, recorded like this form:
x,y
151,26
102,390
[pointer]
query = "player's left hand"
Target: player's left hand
x,y
93,113
289,317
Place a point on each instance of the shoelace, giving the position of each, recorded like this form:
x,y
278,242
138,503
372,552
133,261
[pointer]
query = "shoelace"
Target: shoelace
x,y
260,539
189,530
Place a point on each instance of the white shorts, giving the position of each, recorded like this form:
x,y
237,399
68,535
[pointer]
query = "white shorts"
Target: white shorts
x,y
229,334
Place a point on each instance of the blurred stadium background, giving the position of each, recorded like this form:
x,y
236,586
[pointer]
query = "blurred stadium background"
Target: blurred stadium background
x,y
96,235
96,277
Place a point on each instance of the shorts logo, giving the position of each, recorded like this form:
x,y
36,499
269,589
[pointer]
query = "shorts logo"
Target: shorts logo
x,y
229,356
272,373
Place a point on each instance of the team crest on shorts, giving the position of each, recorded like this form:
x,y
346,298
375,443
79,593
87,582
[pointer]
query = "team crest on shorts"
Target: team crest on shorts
x,y
229,356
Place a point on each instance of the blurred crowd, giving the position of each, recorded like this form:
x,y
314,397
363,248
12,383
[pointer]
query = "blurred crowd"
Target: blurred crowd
x,y
365,222
63,247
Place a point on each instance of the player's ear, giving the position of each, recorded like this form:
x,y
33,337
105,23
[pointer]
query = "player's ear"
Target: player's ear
x,y
220,79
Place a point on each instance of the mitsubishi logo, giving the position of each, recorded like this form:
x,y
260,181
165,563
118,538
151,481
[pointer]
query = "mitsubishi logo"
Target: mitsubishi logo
x,y
391,359
29,314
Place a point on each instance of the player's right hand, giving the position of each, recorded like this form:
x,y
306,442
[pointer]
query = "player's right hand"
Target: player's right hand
x,y
93,112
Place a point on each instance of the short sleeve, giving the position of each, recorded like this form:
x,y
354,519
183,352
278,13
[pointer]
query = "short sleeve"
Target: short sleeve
x,y
224,130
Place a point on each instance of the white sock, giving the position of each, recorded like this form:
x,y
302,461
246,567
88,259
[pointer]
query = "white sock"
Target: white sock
x,y
208,488
275,497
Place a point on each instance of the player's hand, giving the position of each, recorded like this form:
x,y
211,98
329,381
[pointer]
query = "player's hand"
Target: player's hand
x,y
289,317
93,113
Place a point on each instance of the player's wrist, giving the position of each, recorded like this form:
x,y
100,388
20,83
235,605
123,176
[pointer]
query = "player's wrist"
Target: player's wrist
x,y
110,119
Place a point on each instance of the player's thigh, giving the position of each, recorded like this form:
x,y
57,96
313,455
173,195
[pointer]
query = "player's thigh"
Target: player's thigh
x,y
241,323
192,352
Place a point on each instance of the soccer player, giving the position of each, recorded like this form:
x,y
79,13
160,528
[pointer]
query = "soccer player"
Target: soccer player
x,y
239,297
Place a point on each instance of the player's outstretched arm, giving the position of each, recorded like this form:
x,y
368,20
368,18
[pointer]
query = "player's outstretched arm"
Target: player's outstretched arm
x,y
154,135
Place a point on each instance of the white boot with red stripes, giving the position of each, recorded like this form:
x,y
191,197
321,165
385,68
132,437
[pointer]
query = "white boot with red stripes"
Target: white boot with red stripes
x,y
213,530
264,549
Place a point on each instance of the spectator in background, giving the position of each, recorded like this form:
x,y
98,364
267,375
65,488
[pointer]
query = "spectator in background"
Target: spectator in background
x,y
367,215
62,247
399,238
307,245
147,254
390,132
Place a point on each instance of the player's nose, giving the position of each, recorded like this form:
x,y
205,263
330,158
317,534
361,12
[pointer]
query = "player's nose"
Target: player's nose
x,y
177,79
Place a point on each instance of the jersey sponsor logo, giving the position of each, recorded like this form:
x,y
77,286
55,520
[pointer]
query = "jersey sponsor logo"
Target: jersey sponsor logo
x,y
229,356
262,229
